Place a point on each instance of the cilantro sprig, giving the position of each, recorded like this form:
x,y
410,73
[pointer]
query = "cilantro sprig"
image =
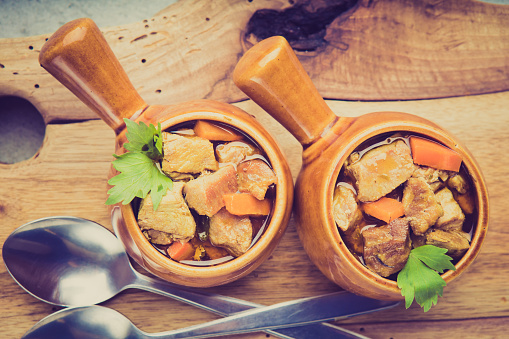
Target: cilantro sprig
x,y
420,278
139,168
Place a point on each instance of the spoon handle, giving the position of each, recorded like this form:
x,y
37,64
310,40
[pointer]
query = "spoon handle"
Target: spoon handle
x,y
215,303
298,312
78,56
226,306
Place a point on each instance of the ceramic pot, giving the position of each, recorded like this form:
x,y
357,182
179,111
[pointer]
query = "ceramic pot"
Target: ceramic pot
x,y
271,75
79,57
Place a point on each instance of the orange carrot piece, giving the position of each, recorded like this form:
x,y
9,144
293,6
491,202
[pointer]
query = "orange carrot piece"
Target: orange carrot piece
x,y
429,153
215,132
246,204
180,251
385,209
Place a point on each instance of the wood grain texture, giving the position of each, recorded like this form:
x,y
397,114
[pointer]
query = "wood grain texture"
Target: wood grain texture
x,y
383,50
393,50
177,55
68,177
470,329
190,57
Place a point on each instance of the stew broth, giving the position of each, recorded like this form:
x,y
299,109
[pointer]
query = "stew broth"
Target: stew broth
x,y
354,236
205,251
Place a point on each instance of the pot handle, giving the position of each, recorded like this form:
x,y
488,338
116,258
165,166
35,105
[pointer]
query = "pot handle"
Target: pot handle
x,y
78,56
272,76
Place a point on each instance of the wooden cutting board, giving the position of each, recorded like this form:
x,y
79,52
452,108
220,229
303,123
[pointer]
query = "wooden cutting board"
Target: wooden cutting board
x,y
445,61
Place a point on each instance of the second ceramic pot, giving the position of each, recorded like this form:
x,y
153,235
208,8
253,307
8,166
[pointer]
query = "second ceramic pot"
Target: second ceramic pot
x,y
271,75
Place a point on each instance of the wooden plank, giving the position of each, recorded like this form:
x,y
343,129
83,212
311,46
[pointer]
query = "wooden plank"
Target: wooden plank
x,y
172,57
398,49
405,49
68,177
465,329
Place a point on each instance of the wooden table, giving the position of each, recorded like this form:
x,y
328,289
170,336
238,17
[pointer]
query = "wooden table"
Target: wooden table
x,y
445,61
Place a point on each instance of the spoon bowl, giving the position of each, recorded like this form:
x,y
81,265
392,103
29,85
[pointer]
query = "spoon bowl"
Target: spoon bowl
x,y
89,321
67,261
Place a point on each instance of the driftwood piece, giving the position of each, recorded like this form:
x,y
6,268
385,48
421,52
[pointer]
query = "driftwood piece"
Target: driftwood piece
x,y
367,50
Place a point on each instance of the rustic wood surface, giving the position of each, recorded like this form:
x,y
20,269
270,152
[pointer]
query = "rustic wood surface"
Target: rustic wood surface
x,y
396,50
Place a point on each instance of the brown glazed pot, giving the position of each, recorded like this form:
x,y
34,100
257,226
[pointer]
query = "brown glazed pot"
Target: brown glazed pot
x,y
79,57
271,75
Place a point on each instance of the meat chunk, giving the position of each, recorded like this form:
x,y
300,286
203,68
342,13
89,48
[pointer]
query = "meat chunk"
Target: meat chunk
x,y
421,205
381,170
172,217
235,152
177,176
187,154
434,177
255,177
417,240
346,212
231,232
214,252
453,217
205,193
386,248
460,188
430,174
353,238
158,237
458,183
466,202
456,242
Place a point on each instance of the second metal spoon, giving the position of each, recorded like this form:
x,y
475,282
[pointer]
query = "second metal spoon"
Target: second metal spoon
x,y
68,261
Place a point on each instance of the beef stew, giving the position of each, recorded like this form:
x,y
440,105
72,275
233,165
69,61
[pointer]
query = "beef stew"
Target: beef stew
x,y
193,224
385,203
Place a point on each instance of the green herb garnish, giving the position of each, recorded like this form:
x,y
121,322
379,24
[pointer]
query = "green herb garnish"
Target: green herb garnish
x,y
139,167
420,277
144,139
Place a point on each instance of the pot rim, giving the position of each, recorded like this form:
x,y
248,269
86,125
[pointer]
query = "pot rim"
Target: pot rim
x,y
238,119
430,131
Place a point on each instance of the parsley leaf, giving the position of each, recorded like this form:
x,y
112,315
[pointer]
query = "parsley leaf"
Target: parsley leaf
x,y
139,167
139,175
144,139
420,277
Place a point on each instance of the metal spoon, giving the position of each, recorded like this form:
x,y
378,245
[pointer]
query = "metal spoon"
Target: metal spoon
x,y
100,322
68,261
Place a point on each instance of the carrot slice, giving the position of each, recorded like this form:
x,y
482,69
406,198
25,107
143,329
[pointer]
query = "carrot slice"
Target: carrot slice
x,y
429,153
180,251
215,132
385,209
246,204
